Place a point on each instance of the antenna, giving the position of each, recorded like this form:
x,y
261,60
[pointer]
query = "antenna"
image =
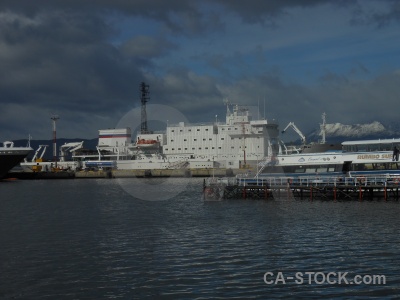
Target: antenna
x,y
55,118
144,90
264,107
323,128
226,102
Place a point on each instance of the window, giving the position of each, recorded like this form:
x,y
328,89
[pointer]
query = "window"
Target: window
x,y
172,130
185,148
179,149
195,139
198,129
204,139
184,140
222,139
206,147
206,129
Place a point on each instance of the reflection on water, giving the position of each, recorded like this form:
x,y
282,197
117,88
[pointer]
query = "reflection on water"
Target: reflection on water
x,y
91,239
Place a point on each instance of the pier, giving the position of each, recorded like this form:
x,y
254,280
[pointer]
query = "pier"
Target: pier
x,y
303,188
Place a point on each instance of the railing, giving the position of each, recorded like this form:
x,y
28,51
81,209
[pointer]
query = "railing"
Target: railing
x,y
221,181
379,180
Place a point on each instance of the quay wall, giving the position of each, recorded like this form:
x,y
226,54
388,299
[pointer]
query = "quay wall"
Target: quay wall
x,y
206,172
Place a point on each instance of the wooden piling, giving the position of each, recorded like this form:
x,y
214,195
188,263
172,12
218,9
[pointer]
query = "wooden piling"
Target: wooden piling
x,y
334,192
385,192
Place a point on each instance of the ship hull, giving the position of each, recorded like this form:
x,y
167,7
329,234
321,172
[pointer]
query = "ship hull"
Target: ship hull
x,y
10,160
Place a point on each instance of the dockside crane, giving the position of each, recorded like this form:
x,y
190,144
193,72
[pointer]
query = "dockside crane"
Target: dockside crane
x,y
36,157
291,124
69,148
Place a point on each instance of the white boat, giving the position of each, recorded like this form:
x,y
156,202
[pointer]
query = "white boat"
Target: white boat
x,y
147,144
357,158
11,156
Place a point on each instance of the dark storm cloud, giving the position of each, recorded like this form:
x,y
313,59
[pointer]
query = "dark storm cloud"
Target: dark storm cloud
x,y
348,99
68,57
177,15
146,47
187,91
181,16
379,17
393,13
61,69
254,11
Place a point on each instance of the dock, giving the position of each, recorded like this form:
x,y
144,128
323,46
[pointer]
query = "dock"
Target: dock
x,y
136,173
303,188
40,175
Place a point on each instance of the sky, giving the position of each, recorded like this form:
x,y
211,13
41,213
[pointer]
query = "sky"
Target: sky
x,y
292,60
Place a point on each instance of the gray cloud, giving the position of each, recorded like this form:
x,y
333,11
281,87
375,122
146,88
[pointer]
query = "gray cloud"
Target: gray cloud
x,y
48,58
177,15
146,47
62,57
255,11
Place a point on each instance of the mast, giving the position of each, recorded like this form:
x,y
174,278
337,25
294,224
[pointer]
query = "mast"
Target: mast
x,y
55,118
323,128
144,91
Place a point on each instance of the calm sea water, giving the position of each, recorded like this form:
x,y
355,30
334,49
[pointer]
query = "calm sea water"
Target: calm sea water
x,y
99,239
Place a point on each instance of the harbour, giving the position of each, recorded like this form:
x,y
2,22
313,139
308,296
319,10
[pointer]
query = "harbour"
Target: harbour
x,y
199,150
242,145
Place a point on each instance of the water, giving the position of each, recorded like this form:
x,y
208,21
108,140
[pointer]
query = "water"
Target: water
x,y
91,239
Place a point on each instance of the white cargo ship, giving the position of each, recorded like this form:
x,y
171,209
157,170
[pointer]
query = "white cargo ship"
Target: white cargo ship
x,y
238,143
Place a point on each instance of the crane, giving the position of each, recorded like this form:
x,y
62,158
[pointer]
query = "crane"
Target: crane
x,y
291,124
35,157
69,147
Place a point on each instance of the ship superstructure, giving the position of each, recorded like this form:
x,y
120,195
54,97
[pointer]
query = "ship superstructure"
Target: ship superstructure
x,y
238,142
